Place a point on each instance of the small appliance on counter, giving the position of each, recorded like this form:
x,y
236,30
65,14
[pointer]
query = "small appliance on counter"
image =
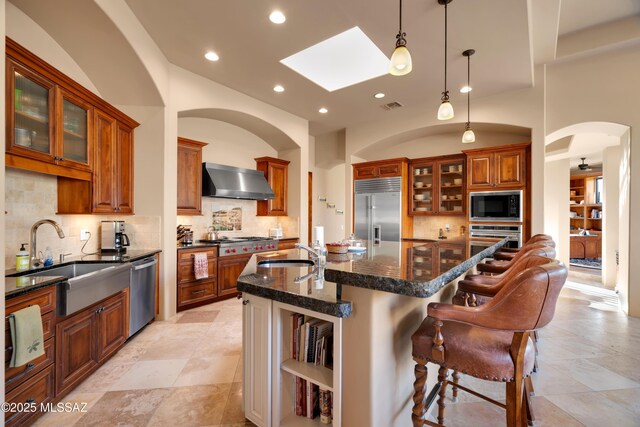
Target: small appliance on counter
x,y
113,238
184,235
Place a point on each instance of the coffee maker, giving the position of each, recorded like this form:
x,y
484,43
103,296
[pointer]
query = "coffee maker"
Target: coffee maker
x,y
113,237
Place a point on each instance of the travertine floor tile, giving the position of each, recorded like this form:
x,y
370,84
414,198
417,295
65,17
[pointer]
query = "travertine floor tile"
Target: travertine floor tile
x,y
148,374
233,410
629,399
192,406
199,317
56,419
174,348
215,370
594,376
129,407
594,409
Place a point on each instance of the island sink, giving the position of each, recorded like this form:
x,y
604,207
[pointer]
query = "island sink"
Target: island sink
x,y
285,263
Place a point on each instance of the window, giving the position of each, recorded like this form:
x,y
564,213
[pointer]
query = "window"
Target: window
x,y
599,190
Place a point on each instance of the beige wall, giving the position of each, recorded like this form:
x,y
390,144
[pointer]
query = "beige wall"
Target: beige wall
x,y
31,196
611,215
2,146
556,207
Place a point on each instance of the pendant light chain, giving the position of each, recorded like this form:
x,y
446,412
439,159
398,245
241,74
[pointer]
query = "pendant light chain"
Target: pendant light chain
x,y
445,94
469,92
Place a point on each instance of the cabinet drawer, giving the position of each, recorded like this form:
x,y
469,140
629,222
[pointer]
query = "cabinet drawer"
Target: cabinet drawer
x,y
186,274
364,172
195,292
48,330
45,298
186,255
15,376
39,389
287,244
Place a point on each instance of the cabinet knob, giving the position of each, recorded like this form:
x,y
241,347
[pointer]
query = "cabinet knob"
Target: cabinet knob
x,y
245,302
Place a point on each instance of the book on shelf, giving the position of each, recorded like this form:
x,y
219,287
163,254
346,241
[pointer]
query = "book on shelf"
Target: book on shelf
x,y
311,340
301,406
312,402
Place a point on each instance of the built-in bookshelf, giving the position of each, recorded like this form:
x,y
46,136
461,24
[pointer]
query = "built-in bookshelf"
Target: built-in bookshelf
x,y
307,367
584,212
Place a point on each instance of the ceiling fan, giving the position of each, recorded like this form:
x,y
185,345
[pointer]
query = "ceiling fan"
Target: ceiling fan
x,y
584,166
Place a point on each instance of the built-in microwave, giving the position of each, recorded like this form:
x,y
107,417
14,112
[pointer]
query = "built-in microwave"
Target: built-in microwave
x,y
496,206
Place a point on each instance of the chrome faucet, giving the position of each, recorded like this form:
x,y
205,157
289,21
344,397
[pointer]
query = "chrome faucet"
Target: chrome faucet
x,y
33,261
314,255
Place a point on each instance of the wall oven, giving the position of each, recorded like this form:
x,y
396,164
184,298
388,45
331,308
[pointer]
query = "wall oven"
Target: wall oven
x,y
481,236
496,206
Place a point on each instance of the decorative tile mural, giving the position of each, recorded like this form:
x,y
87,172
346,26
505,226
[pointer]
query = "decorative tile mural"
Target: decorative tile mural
x,y
227,220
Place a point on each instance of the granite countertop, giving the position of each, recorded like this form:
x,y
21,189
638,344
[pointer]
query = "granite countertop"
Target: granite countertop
x,y
412,268
15,286
198,244
20,283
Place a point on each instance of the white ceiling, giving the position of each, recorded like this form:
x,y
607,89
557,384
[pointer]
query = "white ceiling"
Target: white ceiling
x,y
250,48
577,15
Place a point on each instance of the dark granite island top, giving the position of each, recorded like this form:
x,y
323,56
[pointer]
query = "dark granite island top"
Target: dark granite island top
x,y
412,268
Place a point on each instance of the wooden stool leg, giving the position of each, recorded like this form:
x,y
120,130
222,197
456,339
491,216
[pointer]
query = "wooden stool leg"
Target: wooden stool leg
x,y
473,302
456,378
526,401
420,389
442,379
515,416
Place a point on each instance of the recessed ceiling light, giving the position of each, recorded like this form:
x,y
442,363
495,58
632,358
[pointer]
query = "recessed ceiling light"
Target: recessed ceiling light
x,y
323,111
277,17
211,56
378,95
278,88
340,61
466,89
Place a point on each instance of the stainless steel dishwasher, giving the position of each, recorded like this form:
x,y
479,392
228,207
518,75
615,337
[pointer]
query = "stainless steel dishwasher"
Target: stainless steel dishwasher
x,y
142,293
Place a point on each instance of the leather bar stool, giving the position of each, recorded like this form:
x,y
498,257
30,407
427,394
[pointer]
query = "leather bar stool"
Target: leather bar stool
x,y
507,254
490,342
498,267
476,289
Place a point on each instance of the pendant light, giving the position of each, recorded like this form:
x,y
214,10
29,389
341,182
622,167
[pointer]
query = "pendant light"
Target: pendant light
x,y
468,136
445,112
400,63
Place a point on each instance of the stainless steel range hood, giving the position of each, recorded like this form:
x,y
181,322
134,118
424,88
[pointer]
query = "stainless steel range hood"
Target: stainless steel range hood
x,y
234,183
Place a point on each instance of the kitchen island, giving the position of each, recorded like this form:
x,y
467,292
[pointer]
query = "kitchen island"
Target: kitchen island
x,y
376,300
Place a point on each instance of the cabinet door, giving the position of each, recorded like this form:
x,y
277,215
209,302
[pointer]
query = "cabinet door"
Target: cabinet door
x,y
76,349
229,269
278,182
391,169
113,325
364,172
479,167
124,170
189,179
450,182
256,362
422,189
104,177
74,127
30,125
509,168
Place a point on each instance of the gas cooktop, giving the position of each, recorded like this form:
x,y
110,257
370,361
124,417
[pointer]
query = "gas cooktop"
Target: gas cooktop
x,y
243,245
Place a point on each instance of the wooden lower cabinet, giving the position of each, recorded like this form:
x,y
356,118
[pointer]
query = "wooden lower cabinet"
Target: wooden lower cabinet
x,y
35,392
86,339
192,292
287,243
585,247
229,269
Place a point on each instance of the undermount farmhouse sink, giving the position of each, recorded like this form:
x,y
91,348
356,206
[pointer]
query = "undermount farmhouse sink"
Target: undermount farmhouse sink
x,y
87,284
285,263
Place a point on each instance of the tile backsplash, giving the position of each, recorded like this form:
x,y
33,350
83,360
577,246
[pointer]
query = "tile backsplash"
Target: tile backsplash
x,y
31,196
427,227
252,225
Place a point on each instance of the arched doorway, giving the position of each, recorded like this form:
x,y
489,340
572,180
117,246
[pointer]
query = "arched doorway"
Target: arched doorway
x,y
598,197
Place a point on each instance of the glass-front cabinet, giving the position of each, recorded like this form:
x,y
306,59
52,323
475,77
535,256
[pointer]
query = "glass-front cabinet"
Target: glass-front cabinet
x,y
30,129
437,186
46,123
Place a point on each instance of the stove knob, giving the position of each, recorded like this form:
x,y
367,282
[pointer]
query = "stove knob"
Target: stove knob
x,y
257,248
233,250
261,247
245,249
270,247
227,251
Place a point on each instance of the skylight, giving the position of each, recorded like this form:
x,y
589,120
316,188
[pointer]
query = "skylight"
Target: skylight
x,y
340,61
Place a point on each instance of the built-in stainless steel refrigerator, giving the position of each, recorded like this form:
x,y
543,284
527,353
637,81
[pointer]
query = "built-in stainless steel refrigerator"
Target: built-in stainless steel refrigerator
x,y
378,209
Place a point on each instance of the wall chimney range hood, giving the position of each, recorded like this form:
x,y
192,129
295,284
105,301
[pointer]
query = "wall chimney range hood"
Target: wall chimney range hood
x,y
234,183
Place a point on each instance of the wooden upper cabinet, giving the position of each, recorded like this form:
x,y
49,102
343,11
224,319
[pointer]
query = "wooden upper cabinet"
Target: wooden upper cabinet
x,y
104,192
276,173
190,176
497,167
379,169
124,170
436,186
479,170
75,127
510,168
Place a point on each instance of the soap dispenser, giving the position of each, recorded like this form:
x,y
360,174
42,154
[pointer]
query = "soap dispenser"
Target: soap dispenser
x,y
48,257
22,258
